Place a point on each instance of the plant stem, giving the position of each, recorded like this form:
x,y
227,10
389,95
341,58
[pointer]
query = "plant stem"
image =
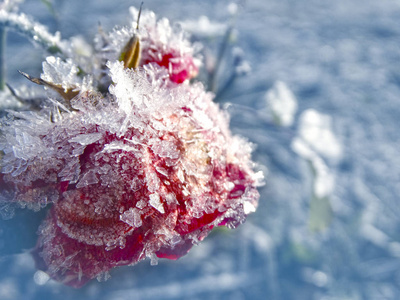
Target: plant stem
x,y
213,76
3,40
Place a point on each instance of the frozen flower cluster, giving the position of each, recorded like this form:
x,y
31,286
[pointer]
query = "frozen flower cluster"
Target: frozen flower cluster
x,y
135,160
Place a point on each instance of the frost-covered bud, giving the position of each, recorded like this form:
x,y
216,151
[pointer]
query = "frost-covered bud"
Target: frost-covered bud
x,y
160,43
166,46
144,171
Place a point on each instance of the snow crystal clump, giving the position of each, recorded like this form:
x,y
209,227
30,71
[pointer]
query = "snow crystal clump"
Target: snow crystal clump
x,y
65,74
315,130
316,139
283,103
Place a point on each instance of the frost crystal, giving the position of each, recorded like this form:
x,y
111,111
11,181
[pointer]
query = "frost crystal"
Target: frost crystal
x,y
156,203
144,169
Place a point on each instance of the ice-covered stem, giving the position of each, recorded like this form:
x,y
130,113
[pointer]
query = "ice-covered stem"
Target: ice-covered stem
x,y
34,31
3,39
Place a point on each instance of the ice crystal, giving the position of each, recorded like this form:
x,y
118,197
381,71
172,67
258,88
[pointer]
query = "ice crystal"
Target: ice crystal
x,y
65,74
144,169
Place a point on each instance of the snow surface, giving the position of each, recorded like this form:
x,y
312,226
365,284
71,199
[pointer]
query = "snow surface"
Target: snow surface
x,y
339,58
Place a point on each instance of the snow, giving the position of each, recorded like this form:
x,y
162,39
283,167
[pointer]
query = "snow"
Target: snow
x,y
282,103
316,140
315,129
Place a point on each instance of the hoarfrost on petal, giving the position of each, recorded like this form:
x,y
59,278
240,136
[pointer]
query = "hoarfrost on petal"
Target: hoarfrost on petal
x,y
118,145
181,175
132,217
171,198
86,139
71,171
155,201
27,146
153,182
141,204
166,149
87,179
136,184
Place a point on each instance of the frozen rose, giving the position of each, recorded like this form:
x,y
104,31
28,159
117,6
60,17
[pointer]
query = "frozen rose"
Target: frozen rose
x,y
145,169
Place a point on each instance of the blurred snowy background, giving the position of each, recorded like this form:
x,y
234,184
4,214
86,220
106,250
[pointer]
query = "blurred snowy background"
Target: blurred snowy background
x,y
321,103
